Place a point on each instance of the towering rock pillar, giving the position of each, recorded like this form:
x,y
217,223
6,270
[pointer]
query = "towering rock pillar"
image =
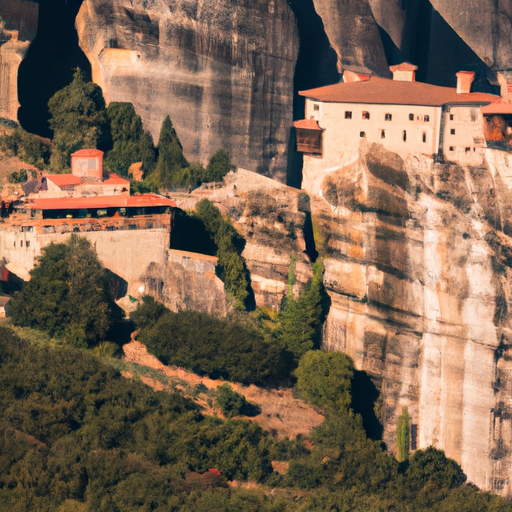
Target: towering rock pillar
x,y
11,55
18,26
222,70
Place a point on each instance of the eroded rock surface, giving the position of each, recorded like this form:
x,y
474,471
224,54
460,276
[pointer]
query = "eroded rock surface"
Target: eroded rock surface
x,y
18,26
418,267
222,70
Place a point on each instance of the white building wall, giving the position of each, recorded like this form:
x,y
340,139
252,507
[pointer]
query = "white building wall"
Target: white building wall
x,y
467,145
342,133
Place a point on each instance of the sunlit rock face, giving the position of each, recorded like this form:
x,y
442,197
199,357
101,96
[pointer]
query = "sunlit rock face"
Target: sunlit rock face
x,y
418,261
222,70
18,27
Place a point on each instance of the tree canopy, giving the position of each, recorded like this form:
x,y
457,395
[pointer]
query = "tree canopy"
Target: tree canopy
x,y
325,379
67,294
130,142
78,119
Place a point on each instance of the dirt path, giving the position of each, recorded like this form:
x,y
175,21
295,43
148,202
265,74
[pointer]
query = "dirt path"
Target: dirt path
x,y
280,411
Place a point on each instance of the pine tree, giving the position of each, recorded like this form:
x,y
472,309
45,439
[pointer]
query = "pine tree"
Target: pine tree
x,y
170,156
218,166
78,119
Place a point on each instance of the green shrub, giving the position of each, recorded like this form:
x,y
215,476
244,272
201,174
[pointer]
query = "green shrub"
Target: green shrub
x,y
229,249
27,147
219,348
325,379
230,402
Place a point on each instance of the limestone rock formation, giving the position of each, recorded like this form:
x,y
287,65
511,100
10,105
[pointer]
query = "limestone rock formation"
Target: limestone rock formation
x,y
354,34
418,262
222,70
485,25
18,26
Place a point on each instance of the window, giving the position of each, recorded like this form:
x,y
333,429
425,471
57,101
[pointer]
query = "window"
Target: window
x,y
450,148
21,241
388,117
362,134
452,131
14,243
467,150
383,134
404,135
28,244
426,119
316,106
424,137
451,117
411,117
473,115
348,114
366,115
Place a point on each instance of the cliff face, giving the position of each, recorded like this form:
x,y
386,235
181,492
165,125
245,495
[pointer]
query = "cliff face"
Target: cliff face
x,y
418,267
485,25
222,70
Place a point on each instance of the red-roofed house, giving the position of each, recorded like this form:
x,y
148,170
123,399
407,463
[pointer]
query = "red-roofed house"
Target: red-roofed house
x,y
87,178
403,115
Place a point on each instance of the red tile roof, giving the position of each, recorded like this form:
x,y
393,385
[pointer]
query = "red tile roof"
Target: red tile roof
x,y
498,107
114,179
393,92
88,152
119,201
307,124
62,180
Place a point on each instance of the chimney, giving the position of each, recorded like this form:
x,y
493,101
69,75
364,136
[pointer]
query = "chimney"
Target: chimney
x,y
352,76
464,81
506,87
405,72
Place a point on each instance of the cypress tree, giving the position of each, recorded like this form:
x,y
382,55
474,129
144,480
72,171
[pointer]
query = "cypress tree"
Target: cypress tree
x,y
170,156
131,143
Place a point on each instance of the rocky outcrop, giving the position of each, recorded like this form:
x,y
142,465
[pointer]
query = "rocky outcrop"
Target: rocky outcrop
x,y
222,70
418,261
485,25
18,25
187,281
354,34
273,220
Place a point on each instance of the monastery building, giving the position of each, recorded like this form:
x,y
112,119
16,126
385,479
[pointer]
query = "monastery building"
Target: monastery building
x,y
403,115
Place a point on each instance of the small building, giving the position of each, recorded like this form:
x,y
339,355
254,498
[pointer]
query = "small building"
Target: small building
x,y
87,178
87,163
403,115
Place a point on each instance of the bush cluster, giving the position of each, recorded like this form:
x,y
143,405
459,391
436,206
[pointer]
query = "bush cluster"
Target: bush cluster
x,y
27,147
219,348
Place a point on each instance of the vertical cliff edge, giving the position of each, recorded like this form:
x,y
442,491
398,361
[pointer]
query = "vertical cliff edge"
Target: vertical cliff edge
x,y
418,261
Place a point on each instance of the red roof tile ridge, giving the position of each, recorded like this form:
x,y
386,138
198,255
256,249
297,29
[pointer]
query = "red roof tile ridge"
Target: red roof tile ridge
x,y
403,66
87,152
307,124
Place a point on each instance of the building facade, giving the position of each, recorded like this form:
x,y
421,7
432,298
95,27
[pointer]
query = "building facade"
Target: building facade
x,y
405,116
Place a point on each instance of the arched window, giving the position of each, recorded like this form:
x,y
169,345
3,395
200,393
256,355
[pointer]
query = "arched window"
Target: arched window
x,y
366,115
411,117
383,134
426,119
404,135
388,117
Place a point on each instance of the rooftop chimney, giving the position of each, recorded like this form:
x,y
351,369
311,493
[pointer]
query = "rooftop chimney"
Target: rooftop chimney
x,y
405,72
352,76
464,81
506,87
